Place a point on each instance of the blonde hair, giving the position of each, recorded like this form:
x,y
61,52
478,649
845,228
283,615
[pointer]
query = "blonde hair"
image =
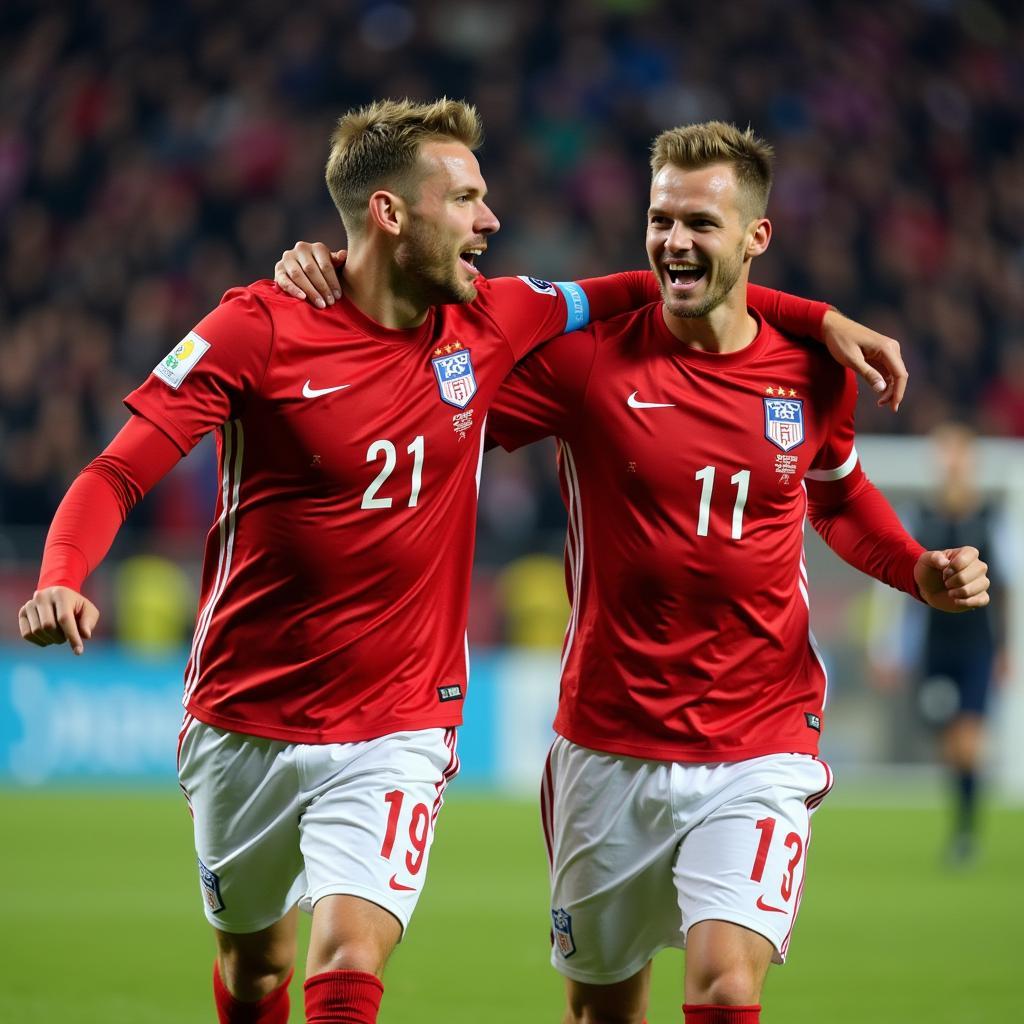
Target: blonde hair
x,y
695,146
377,146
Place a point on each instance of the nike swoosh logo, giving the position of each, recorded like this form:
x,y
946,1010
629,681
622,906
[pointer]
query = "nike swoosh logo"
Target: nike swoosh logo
x,y
634,404
311,392
761,905
398,887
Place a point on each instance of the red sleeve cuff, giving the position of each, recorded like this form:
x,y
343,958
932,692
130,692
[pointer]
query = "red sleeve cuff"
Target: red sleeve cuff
x,y
858,523
99,500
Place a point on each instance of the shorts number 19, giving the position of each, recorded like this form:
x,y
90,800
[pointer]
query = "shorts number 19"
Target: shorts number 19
x,y
419,831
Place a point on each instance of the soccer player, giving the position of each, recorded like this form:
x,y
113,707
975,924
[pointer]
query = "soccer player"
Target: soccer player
x,y
328,665
693,440
953,663
959,658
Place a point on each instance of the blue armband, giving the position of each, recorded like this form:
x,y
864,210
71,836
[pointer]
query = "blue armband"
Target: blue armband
x,y
576,303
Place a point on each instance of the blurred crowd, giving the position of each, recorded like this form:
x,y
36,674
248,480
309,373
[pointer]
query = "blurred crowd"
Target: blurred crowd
x,y
153,155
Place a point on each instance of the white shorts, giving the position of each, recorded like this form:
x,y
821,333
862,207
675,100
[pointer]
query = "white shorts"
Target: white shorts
x,y
283,823
641,851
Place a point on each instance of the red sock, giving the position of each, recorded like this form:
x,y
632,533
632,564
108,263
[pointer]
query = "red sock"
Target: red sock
x,y
273,1008
343,997
706,1014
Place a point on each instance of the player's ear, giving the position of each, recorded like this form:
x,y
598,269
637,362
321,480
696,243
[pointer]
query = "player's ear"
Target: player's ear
x,y
387,212
759,234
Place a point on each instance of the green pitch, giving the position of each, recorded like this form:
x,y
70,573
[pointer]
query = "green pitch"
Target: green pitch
x,y
102,924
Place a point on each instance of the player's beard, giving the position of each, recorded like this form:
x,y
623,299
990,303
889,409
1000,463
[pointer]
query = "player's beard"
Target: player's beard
x,y
721,280
430,263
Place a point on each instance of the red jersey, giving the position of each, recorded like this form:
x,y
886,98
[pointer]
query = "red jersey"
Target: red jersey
x,y
336,575
683,473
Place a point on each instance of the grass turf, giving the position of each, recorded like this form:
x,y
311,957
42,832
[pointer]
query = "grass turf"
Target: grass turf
x,y
103,925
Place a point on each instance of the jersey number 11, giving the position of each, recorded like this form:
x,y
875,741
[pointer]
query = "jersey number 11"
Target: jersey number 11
x,y
742,482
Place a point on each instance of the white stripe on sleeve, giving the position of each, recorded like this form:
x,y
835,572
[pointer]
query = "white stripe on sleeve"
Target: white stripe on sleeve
x,y
835,474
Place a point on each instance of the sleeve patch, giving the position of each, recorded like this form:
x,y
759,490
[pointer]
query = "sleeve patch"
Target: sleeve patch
x,y
540,286
178,363
835,474
577,305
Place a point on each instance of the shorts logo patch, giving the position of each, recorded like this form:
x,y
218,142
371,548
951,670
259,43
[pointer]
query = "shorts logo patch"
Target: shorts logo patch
x,y
539,285
761,905
178,363
784,422
449,693
211,888
453,367
561,923
813,721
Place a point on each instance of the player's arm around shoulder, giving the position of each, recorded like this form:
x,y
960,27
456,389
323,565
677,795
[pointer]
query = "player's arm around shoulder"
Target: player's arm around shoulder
x,y
522,307
529,311
56,615
309,271
873,356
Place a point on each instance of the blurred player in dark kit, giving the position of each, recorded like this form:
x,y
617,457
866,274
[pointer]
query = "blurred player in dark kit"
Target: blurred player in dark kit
x,y
958,657
329,662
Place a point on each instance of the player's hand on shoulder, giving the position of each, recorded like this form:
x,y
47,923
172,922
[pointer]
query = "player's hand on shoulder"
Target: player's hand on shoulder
x,y
874,356
58,614
308,272
953,580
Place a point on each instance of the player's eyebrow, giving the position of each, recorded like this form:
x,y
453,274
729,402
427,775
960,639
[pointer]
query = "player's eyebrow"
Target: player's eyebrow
x,y
703,215
657,211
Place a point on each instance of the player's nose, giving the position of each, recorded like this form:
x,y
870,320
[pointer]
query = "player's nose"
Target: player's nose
x,y
680,239
486,222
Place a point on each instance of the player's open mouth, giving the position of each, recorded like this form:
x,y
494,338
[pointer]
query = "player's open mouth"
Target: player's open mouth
x,y
468,259
684,276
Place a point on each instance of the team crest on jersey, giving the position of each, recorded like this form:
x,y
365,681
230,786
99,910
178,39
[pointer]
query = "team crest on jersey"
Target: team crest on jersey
x,y
561,923
211,888
453,367
177,364
784,422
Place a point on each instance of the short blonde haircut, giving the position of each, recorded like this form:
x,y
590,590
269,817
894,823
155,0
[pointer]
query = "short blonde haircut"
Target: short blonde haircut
x,y
694,146
377,146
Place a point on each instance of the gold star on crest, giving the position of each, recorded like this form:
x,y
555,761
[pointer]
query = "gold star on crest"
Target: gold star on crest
x,y
792,393
438,351
769,391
